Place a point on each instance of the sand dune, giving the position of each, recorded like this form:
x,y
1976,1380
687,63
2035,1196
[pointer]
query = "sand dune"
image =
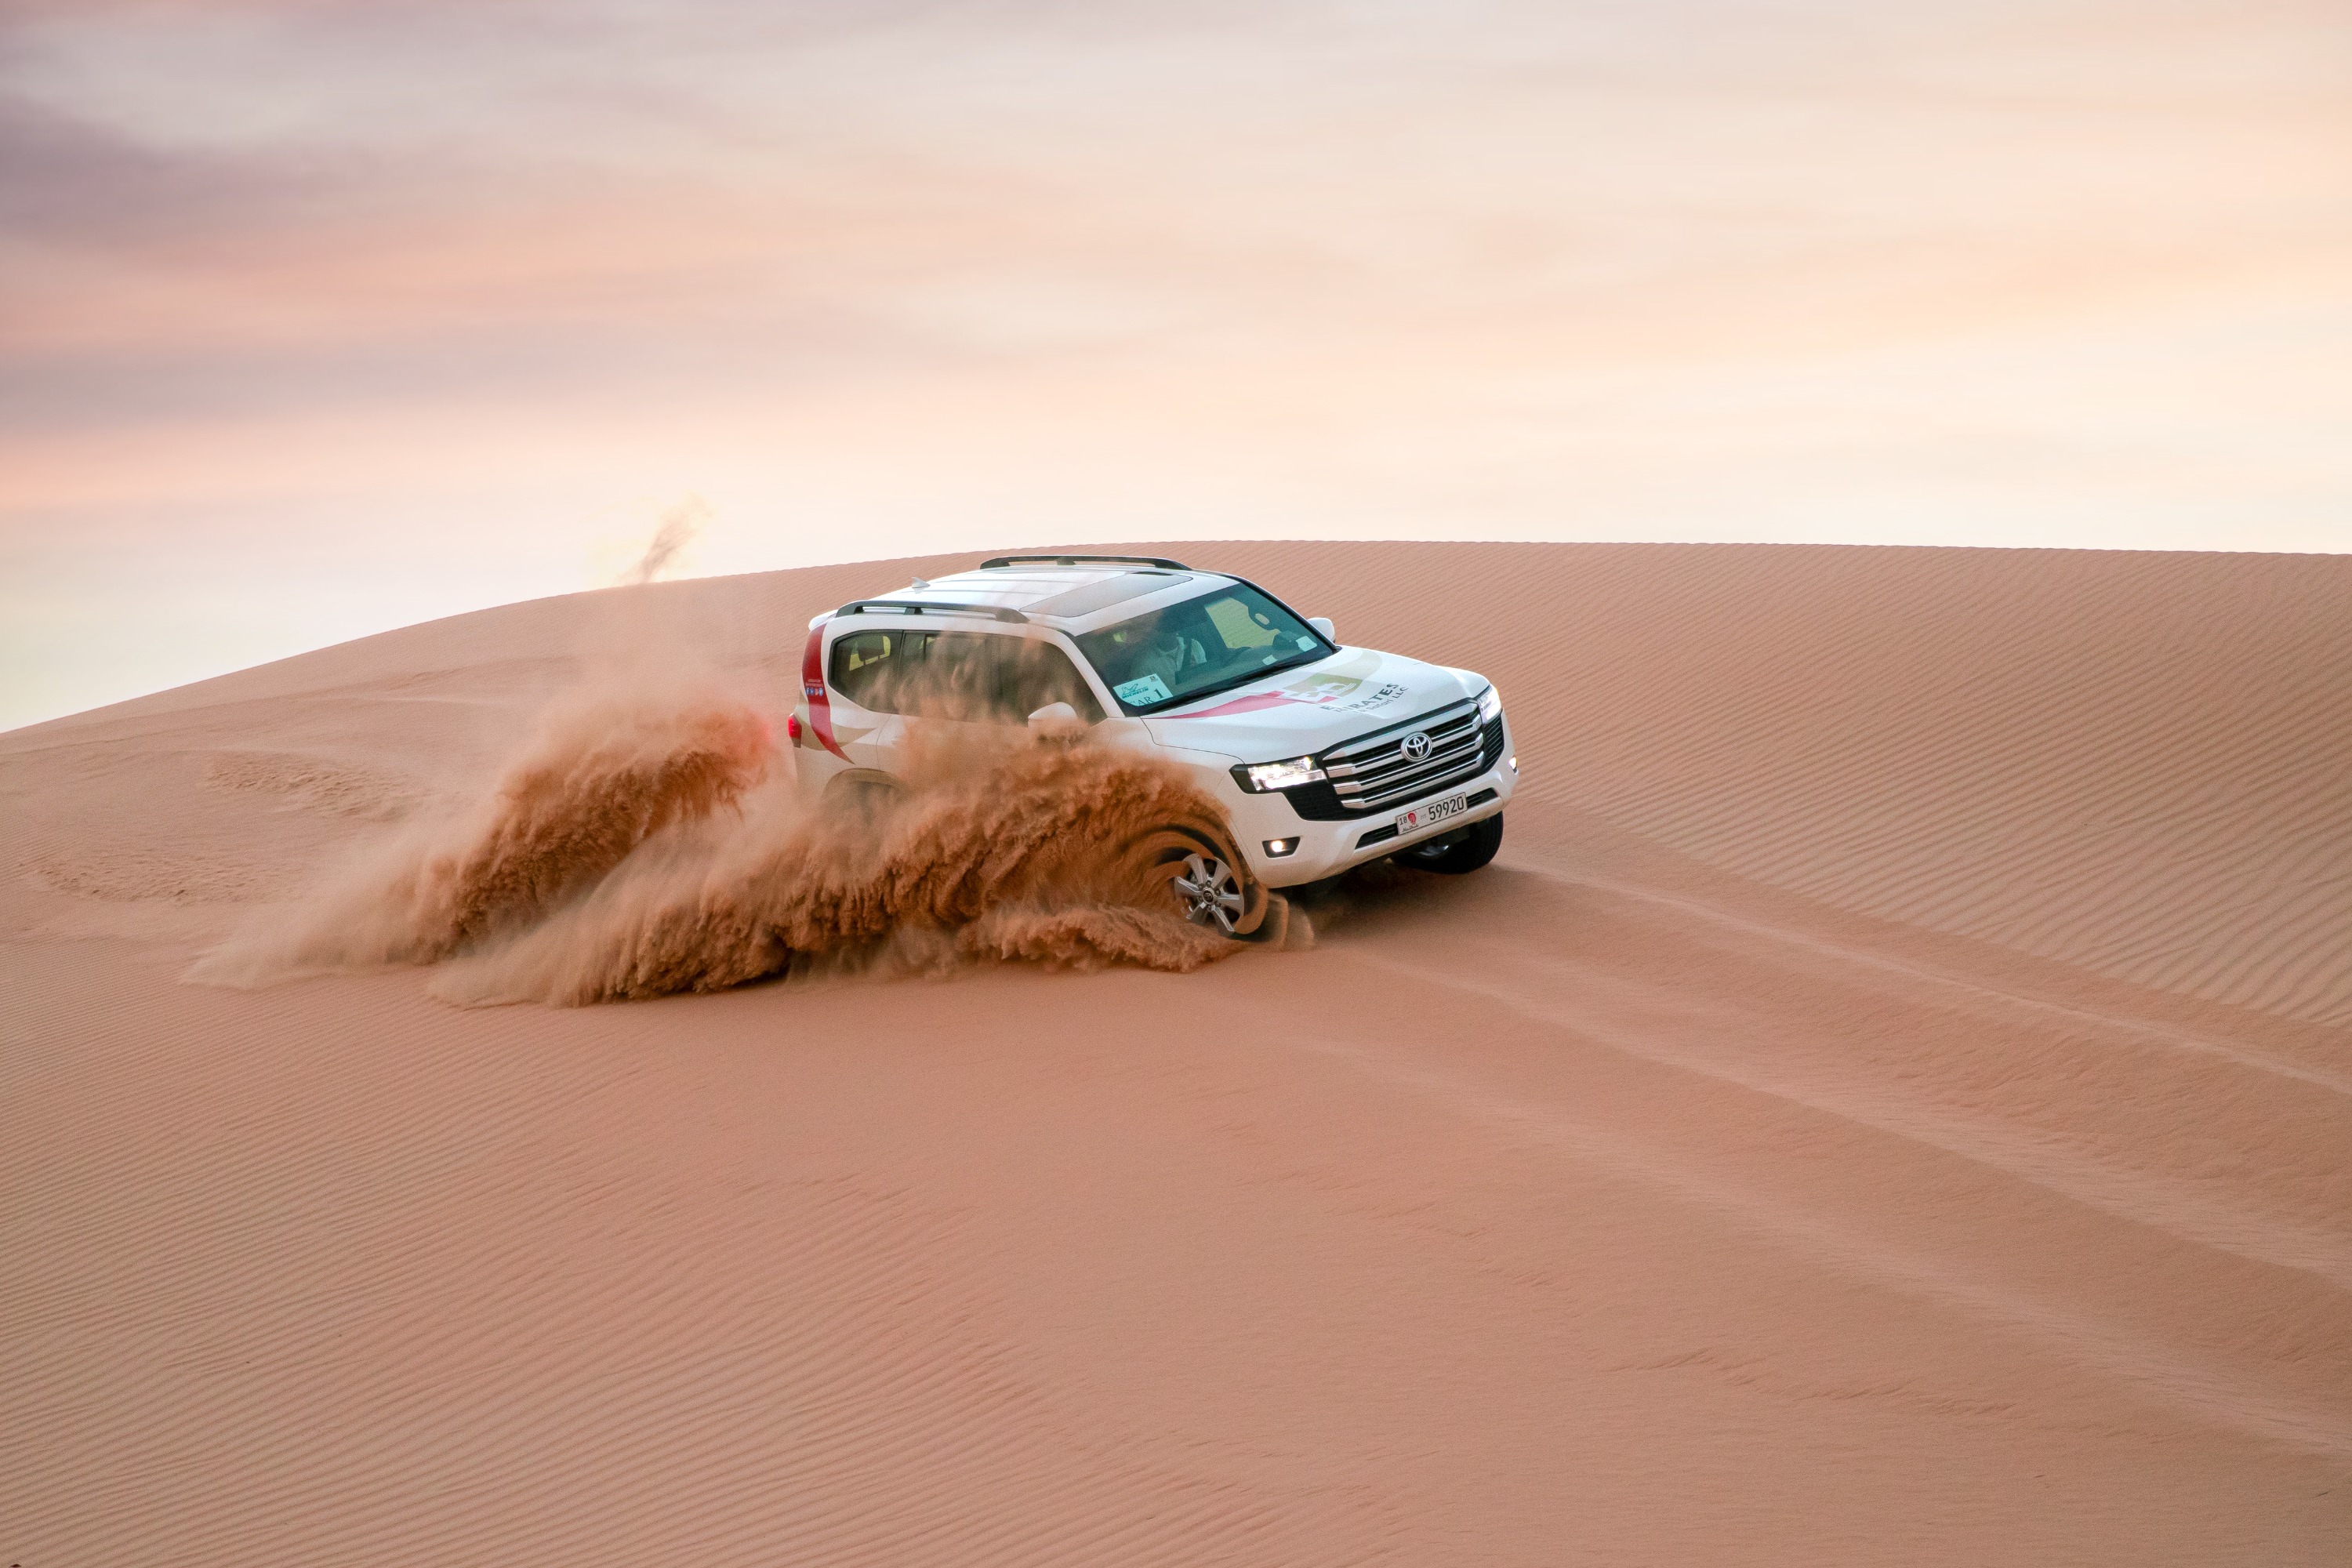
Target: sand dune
x,y
1891,1102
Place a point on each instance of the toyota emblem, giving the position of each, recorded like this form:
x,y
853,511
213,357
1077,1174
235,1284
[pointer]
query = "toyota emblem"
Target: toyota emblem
x,y
1414,746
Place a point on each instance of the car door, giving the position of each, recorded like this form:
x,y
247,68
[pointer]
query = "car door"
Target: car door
x,y
909,683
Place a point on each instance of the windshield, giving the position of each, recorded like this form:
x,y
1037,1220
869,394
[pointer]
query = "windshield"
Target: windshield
x,y
1198,646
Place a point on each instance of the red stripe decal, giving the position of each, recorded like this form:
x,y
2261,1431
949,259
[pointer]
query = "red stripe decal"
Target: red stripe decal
x,y
1248,705
820,702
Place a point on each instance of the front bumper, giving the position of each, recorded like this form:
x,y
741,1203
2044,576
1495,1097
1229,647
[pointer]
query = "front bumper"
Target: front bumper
x,y
1327,849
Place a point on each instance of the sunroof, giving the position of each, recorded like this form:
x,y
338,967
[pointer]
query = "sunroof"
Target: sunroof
x,y
1093,596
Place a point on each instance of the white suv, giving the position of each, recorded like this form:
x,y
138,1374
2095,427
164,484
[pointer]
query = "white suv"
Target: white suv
x,y
1322,757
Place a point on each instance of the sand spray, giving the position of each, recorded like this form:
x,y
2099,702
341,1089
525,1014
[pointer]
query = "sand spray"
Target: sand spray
x,y
652,840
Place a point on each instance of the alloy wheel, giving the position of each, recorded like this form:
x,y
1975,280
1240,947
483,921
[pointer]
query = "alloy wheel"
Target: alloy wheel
x,y
1210,891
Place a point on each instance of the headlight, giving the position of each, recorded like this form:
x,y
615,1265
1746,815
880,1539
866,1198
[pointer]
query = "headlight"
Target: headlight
x,y
1264,777
1490,706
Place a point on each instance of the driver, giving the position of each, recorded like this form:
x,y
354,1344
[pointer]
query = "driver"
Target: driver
x,y
1165,652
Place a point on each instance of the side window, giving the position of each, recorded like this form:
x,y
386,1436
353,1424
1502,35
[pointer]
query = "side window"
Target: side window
x,y
1042,675
959,679
975,677
869,665
998,677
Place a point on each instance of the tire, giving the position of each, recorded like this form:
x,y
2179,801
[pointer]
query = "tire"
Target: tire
x,y
1198,868
1456,854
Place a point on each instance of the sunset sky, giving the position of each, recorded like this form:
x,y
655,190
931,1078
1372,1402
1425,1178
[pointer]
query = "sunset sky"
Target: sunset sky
x,y
319,318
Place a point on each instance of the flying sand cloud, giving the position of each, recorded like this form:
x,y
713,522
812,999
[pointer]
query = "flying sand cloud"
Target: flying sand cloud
x,y
648,838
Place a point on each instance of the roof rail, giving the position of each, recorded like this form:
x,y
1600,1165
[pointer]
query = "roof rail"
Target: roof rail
x,y
1160,562
932,606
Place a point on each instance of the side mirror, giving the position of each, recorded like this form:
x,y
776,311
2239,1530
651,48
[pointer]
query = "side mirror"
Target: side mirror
x,y
1056,721
1323,623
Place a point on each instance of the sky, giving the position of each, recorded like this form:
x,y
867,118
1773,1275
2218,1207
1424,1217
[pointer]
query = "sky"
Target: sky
x,y
319,318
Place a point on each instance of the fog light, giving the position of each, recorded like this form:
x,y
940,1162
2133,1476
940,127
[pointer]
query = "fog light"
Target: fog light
x,y
1276,848
1515,764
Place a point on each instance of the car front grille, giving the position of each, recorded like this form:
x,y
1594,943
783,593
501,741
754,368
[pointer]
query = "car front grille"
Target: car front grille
x,y
1374,772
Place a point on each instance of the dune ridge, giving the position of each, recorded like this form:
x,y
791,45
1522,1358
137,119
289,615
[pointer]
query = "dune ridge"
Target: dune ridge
x,y
1890,1102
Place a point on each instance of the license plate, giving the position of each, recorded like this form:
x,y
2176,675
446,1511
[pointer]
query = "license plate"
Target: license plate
x,y
1421,817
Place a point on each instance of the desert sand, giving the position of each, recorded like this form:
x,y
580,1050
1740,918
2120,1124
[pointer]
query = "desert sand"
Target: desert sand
x,y
1890,1102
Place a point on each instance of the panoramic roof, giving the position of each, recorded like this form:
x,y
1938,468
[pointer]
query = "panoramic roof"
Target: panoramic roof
x,y
1049,591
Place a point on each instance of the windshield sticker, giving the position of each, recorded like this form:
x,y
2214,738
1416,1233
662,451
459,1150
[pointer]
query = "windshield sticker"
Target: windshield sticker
x,y
1378,697
1142,690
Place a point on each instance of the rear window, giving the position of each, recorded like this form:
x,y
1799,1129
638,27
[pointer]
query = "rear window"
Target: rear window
x,y
972,677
